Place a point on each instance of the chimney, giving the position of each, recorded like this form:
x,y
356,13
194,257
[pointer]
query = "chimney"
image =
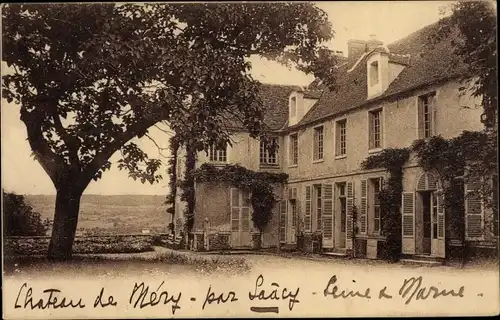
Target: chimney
x,y
373,43
355,48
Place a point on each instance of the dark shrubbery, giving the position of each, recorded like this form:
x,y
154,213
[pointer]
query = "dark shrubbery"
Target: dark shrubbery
x,y
19,218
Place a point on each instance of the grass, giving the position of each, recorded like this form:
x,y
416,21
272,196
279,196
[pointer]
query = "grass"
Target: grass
x,y
127,263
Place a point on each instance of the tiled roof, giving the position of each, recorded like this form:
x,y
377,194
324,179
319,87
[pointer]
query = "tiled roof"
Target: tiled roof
x,y
424,65
275,102
274,98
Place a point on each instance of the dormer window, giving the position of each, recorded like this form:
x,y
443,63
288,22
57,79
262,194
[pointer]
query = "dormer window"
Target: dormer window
x,y
293,107
374,73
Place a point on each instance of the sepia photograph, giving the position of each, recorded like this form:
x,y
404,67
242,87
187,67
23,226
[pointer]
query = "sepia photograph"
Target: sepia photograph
x,y
249,159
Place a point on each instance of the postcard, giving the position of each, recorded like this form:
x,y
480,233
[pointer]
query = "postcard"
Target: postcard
x,y
249,159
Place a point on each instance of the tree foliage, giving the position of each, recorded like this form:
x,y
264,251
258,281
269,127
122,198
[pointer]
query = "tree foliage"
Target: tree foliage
x,y
19,218
476,21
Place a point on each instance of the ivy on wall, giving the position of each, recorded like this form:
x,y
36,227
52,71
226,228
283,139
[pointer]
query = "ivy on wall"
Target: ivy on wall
x,y
472,150
172,175
259,184
468,157
187,188
392,160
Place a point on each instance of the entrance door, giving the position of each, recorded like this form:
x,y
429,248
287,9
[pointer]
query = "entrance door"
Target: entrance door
x,y
433,224
240,218
427,221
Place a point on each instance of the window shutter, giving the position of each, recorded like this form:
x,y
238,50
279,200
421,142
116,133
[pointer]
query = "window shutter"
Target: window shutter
x,y
282,234
307,213
474,212
349,217
420,118
327,210
363,208
235,209
370,131
440,214
432,112
408,214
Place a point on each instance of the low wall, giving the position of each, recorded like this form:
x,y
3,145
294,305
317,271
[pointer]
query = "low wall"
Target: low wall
x,y
129,243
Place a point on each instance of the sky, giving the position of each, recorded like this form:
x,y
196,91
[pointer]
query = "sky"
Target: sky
x,y
387,20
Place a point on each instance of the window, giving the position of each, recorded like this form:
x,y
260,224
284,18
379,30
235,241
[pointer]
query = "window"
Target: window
x,y
318,143
374,73
340,138
294,149
375,127
426,116
377,215
318,207
218,154
268,152
343,205
293,106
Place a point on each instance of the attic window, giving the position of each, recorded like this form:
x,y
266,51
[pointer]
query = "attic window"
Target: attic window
x,y
374,73
293,106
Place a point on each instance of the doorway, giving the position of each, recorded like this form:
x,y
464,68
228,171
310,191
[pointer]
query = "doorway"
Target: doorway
x,y
429,217
425,197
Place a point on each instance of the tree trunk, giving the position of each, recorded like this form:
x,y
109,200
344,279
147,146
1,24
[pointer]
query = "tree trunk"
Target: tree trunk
x,y
65,222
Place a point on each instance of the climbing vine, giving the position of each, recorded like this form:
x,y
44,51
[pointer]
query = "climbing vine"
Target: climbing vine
x,y
472,155
393,161
187,188
172,174
259,184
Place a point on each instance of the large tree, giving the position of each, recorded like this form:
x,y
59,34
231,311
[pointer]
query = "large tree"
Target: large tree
x,y
90,77
476,22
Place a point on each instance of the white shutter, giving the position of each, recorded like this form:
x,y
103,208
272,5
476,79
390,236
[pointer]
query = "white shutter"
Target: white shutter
x,y
327,213
282,209
363,208
441,232
349,217
308,209
408,222
474,212
235,209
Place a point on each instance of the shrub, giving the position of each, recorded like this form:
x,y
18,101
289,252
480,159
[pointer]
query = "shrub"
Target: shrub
x,y
19,218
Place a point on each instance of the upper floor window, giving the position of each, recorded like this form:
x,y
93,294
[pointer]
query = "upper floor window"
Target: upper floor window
x,y
373,73
268,151
218,154
375,128
426,110
293,106
294,149
318,143
340,137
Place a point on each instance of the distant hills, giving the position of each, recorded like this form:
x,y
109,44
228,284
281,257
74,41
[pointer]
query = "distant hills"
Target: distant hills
x,y
112,214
